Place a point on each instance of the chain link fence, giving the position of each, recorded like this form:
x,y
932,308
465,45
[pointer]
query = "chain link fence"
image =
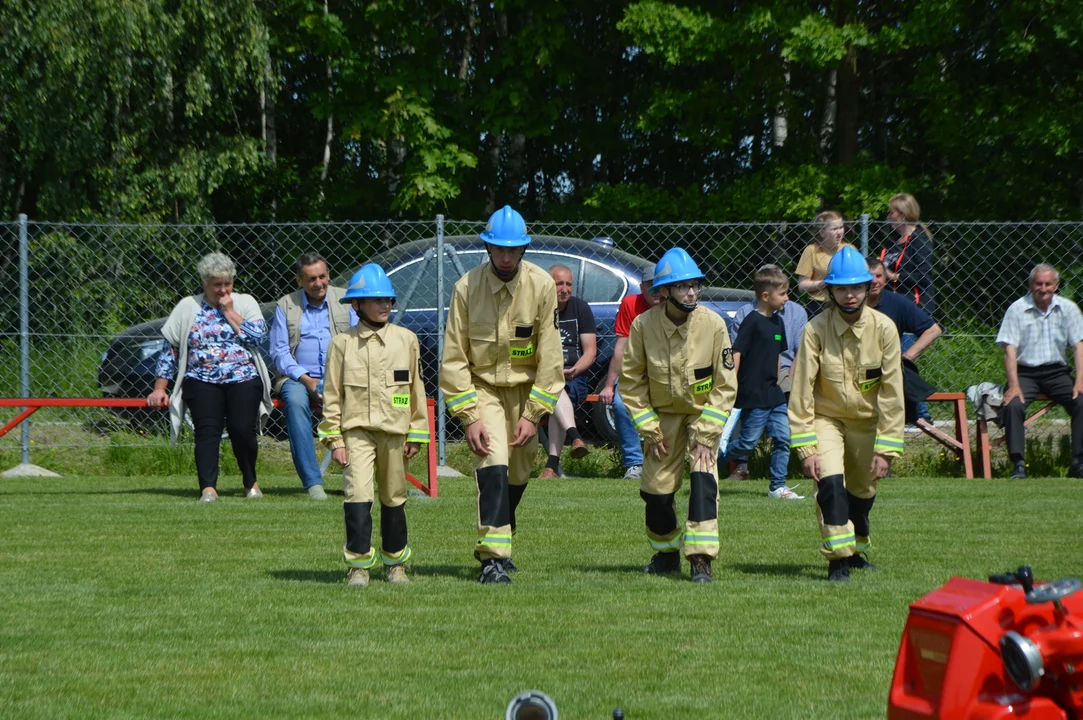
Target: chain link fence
x,y
95,294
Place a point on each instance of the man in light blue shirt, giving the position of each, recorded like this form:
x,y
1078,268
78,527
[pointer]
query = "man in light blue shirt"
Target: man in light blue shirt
x,y
303,325
1034,334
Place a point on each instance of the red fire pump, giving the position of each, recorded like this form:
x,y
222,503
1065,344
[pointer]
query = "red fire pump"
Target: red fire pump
x,y
1003,649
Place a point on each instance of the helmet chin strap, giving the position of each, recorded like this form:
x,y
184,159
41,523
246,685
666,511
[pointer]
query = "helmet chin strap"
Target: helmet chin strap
x,y
367,320
683,307
851,311
502,275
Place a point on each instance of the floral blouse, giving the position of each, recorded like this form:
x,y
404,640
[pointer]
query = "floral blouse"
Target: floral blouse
x,y
216,354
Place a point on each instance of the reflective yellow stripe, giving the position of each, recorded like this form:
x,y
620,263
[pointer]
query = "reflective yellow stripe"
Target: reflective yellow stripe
x,y
329,433
644,417
495,539
459,400
701,538
838,541
714,415
418,436
671,544
888,443
549,401
363,564
388,560
802,440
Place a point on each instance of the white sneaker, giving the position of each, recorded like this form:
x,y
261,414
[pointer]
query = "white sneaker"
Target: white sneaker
x,y
634,473
253,493
784,493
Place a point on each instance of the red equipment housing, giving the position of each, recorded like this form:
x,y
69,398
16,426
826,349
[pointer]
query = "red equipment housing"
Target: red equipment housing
x,y
987,650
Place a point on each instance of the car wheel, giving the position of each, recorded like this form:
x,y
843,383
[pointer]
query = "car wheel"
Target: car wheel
x,y
604,420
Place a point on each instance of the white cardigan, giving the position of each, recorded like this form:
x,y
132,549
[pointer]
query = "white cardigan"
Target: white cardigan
x,y
176,330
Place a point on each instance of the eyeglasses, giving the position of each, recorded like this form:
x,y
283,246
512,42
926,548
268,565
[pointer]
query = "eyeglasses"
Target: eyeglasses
x,y
683,288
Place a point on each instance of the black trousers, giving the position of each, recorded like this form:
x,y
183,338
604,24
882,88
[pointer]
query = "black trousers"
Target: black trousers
x,y
1056,382
233,406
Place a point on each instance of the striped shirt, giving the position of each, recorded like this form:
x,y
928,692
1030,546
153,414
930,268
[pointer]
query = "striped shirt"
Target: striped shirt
x,y
1041,338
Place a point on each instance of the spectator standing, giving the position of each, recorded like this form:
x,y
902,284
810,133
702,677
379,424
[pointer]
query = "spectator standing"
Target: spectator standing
x,y
631,307
794,318
908,263
374,417
579,338
304,323
812,266
1034,334
757,355
218,375
502,371
846,412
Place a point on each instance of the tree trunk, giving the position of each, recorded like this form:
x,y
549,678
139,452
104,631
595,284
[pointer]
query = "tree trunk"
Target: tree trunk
x,y
468,43
779,124
847,90
827,122
493,148
330,120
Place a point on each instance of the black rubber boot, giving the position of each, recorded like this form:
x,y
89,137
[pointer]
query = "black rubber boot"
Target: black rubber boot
x,y
492,571
858,562
839,570
663,563
701,569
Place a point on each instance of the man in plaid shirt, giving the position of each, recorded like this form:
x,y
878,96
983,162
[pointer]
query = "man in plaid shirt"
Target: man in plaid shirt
x,y
1034,333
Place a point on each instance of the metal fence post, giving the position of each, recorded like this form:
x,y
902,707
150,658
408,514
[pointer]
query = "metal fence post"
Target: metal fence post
x,y
864,235
441,410
24,330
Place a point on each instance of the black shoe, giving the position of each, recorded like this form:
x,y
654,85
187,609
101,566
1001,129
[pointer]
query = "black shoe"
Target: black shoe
x,y
1019,470
1076,470
858,562
492,571
663,562
838,570
509,566
701,569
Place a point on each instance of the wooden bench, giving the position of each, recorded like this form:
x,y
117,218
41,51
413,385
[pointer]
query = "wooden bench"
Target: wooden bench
x,y
985,447
960,444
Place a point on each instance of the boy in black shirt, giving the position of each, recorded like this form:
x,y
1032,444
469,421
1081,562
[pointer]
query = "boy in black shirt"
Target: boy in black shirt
x,y
760,341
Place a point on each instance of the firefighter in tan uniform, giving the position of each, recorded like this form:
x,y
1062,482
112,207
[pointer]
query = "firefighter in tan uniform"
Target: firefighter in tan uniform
x,y
846,411
678,381
502,370
374,416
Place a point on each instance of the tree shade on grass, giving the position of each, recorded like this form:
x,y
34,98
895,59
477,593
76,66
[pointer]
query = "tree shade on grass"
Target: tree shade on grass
x,y
123,597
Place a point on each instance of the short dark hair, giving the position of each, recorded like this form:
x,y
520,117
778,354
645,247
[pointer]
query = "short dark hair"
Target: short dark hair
x,y
769,277
309,258
874,262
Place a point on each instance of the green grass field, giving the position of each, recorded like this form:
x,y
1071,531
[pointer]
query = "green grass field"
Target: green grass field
x,y
123,597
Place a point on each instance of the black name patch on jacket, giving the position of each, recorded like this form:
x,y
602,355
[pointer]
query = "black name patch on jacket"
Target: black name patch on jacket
x,y
727,358
704,372
873,373
402,376
524,331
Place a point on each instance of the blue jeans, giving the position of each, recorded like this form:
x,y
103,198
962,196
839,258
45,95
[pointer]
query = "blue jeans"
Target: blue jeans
x,y
296,399
631,450
753,421
906,342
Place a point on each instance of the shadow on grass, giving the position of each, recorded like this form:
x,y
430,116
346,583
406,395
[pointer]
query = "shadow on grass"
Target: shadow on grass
x,y
327,577
779,569
636,570
461,572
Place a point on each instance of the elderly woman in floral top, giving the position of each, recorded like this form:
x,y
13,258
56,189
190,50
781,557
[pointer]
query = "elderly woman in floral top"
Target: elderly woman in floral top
x,y
220,377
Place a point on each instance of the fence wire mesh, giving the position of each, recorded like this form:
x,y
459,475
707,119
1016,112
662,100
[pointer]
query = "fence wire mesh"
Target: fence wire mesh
x,y
97,293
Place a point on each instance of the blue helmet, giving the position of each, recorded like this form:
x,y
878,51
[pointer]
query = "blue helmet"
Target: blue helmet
x,y
674,267
506,228
847,268
369,282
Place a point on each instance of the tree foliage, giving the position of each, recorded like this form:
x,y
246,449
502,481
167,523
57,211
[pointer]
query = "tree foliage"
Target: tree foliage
x,y
233,110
